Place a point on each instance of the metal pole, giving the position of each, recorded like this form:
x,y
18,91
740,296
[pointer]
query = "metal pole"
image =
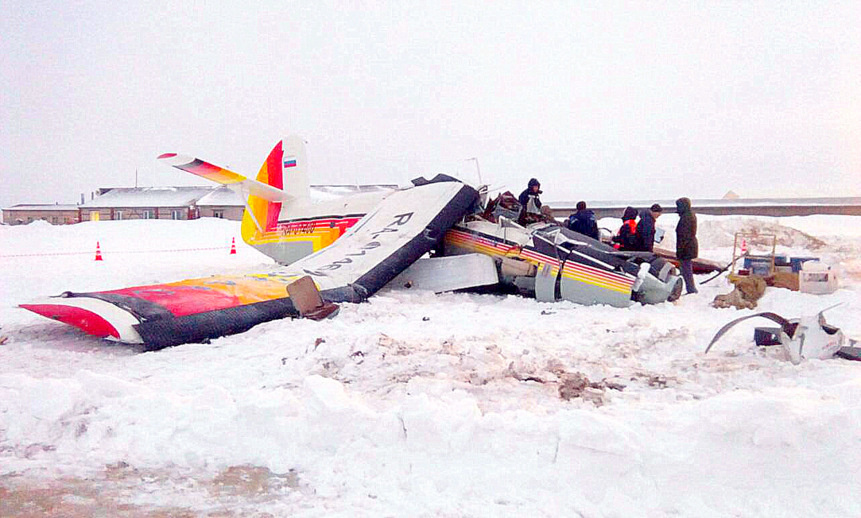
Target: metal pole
x,y
478,168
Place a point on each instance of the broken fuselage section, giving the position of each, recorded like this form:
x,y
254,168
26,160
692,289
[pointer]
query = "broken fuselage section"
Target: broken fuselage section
x,y
552,263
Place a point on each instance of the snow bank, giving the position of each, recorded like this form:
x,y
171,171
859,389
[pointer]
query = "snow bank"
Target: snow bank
x,y
417,404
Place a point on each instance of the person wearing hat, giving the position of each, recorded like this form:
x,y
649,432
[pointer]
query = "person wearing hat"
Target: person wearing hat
x,y
646,228
583,221
530,202
687,247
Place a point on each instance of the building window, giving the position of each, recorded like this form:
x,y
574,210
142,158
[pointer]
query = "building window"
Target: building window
x,y
54,220
176,214
147,214
218,213
118,215
29,219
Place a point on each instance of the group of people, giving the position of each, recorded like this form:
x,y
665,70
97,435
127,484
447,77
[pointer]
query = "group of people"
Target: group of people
x,y
633,235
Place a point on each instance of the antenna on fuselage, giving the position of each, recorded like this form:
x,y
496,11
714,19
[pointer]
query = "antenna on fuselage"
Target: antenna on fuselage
x,y
477,168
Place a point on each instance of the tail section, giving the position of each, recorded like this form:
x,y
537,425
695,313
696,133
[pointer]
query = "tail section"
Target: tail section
x,y
261,213
302,231
282,180
265,195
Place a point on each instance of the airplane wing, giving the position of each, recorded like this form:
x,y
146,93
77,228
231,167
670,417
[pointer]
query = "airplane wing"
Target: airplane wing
x,y
403,227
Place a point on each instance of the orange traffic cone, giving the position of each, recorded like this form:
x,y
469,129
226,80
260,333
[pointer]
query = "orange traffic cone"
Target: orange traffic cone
x,y
233,246
98,252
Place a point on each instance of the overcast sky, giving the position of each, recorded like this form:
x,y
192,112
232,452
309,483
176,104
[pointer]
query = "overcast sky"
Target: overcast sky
x,y
599,100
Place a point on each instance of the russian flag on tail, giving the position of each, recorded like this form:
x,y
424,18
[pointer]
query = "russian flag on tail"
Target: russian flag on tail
x,y
290,161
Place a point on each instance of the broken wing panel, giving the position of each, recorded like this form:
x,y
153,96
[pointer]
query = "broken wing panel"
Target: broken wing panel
x,y
395,234
402,228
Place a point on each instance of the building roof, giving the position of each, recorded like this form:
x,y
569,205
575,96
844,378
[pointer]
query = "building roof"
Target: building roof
x,y
42,206
143,197
207,196
225,197
221,197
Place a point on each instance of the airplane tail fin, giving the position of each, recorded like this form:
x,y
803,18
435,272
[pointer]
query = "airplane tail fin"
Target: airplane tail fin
x,y
285,169
261,214
265,195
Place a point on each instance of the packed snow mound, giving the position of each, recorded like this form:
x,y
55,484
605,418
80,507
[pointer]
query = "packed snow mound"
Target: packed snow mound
x,y
38,223
719,233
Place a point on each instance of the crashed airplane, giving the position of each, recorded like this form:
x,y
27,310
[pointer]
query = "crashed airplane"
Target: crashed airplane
x,y
352,247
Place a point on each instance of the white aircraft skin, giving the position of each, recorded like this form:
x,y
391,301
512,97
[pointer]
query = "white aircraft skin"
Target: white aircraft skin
x,y
305,226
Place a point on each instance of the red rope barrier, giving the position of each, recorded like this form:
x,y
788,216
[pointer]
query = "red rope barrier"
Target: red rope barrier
x,y
47,254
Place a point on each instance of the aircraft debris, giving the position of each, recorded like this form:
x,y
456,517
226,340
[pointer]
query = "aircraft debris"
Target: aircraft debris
x,y
307,300
808,337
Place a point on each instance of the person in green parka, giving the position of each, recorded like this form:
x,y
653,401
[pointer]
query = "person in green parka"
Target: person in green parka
x,y
687,248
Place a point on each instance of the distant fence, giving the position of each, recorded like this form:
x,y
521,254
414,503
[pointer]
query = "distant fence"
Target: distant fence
x,y
758,207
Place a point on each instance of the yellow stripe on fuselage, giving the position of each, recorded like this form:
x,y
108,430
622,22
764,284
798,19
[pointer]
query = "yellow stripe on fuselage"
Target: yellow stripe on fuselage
x,y
473,244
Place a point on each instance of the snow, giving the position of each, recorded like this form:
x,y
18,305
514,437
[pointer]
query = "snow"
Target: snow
x,y
43,206
422,404
148,197
221,196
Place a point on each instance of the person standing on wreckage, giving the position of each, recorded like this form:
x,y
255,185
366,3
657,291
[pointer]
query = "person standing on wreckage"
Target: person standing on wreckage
x,y
646,228
530,203
687,247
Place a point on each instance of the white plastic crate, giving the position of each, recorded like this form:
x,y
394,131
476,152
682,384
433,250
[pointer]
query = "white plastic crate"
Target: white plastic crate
x,y
816,278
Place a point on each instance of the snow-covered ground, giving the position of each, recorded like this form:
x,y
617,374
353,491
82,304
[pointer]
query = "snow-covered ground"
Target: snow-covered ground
x,y
415,404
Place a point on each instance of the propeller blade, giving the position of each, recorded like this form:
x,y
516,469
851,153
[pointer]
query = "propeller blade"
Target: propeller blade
x,y
787,326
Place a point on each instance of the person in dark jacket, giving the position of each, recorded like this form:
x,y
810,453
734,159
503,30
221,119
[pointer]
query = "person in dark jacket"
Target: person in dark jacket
x,y
530,202
584,222
687,248
626,238
646,228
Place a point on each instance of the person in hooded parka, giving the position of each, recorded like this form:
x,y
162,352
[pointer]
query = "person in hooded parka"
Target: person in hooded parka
x,y
687,247
646,228
530,202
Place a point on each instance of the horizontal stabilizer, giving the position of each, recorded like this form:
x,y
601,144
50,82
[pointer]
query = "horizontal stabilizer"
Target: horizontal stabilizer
x,y
224,176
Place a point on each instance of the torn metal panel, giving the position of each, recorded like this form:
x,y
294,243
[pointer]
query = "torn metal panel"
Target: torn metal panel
x,y
441,274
